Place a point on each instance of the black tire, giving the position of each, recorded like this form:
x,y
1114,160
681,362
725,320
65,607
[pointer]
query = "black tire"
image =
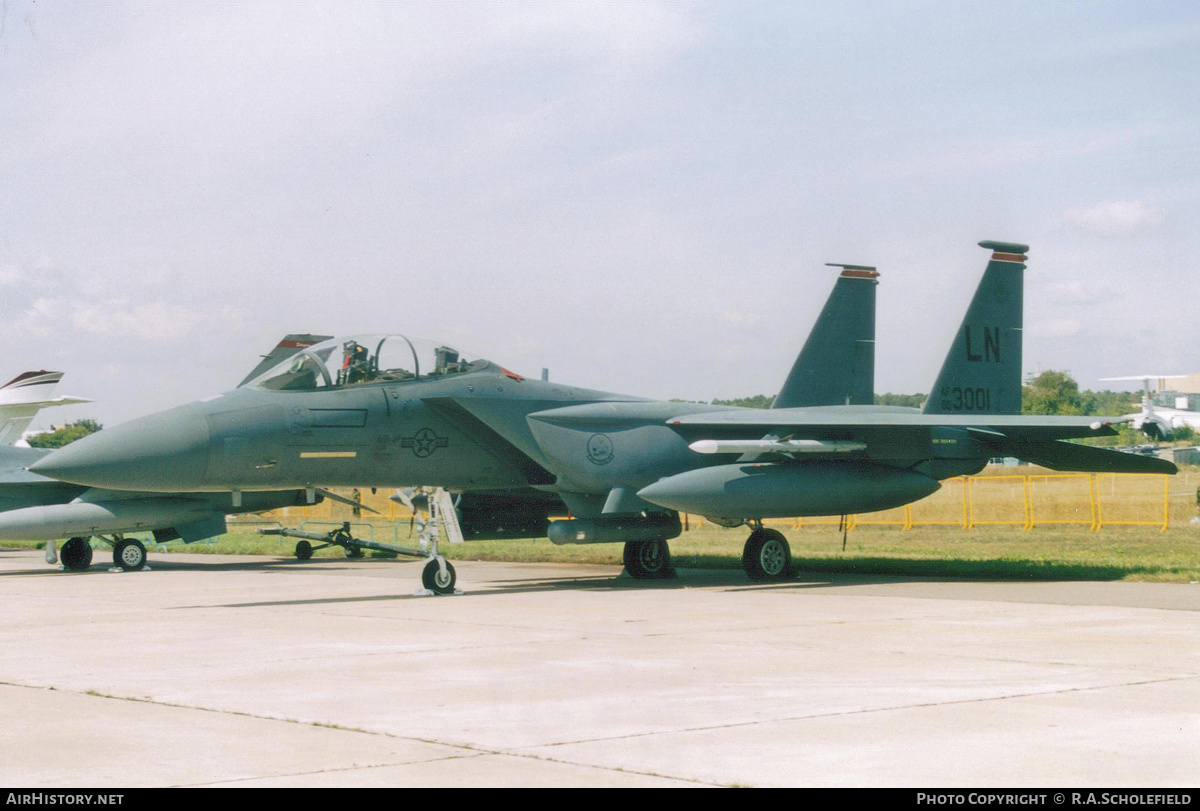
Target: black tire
x,y
648,560
303,550
76,555
433,579
129,554
354,551
767,556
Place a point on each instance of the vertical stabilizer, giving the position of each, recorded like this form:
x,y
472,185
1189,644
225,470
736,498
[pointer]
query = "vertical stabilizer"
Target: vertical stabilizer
x,y
837,364
982,373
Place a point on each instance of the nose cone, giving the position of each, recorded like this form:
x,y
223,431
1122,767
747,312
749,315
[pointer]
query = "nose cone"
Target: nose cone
x,y
165,452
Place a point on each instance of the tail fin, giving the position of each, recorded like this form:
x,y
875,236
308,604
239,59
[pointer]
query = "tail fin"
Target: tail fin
x,y
837,364
982,373
290,345
22,397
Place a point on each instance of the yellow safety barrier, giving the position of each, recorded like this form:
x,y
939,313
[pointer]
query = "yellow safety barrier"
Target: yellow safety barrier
x,y
1092,500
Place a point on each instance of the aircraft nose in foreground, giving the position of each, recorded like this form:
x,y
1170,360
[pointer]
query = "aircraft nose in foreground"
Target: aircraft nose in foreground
x,y
161,452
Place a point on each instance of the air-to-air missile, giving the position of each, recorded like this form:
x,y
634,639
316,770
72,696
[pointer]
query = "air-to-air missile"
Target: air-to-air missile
x,y
390,411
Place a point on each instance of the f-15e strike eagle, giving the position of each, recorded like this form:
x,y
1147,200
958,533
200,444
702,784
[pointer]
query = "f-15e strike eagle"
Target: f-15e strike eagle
x,y
384,410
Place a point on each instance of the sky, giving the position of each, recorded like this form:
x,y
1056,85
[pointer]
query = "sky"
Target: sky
x,y
640,197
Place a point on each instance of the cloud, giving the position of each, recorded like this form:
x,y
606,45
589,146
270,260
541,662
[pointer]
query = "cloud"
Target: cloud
x,y
1055,328
1077,292
1117,218
742,319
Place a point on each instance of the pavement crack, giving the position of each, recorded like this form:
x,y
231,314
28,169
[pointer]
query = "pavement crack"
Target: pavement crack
x,y
465,750
868,711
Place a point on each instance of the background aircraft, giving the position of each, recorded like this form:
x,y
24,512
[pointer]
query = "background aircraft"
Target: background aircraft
x,y
1159,422
38,508
22,397
390,411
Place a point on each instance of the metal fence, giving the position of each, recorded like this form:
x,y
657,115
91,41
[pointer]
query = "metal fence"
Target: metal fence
x,y
1091,500
1025,500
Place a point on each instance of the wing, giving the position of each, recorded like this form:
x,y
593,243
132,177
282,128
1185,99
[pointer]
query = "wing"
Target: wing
x,y
907,435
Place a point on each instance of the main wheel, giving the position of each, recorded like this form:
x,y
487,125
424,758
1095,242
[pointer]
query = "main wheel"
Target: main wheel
x,y
648,560
767,556
76,555
129,554
354,551
303,550
435,580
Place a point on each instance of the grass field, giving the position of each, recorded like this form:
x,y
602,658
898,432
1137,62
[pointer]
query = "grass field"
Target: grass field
x,y
1061,543
1068,553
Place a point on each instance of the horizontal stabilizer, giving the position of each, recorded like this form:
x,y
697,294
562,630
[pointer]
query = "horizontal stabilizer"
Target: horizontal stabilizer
x,y
1087,458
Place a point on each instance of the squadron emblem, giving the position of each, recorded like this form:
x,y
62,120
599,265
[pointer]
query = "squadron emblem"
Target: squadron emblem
x,y
599,449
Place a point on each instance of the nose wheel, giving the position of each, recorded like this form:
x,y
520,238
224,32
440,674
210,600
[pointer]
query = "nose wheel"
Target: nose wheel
x,y
438,576
767,556
648,560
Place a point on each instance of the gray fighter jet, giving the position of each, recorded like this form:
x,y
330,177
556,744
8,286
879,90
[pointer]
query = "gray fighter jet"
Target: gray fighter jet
x,y
37,508
390,411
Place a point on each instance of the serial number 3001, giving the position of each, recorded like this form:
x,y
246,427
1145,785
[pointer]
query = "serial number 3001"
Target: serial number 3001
x,y
959,399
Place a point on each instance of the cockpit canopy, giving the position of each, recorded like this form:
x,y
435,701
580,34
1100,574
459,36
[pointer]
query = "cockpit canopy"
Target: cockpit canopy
x,y
358,359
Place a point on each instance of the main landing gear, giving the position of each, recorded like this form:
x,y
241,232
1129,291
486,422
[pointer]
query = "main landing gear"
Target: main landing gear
x,y
129,554
76,555
767,556
648,560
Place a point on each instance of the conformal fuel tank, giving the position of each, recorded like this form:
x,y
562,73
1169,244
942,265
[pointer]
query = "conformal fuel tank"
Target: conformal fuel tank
x,y
774,490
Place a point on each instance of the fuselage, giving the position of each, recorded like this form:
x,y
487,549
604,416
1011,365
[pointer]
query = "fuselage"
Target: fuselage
x,y
483,430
